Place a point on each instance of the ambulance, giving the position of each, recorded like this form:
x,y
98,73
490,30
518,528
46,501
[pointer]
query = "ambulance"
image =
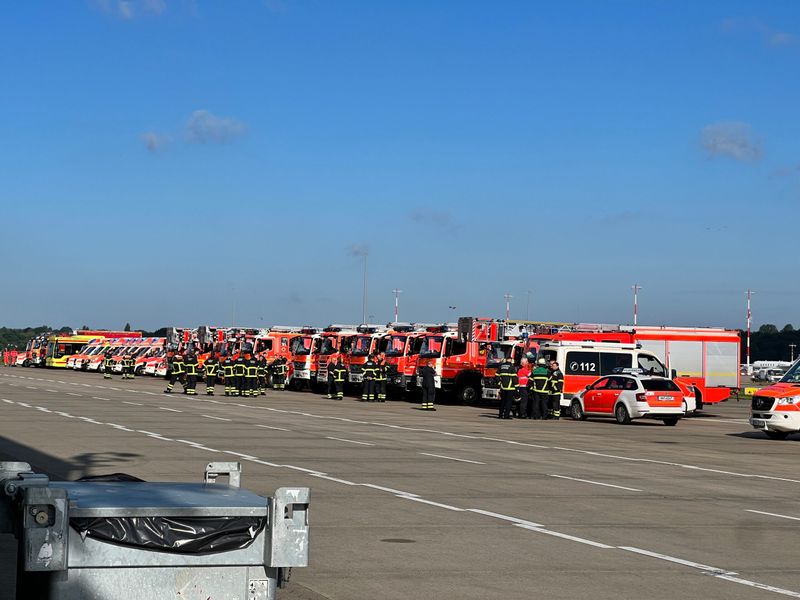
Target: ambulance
x,y
775,410
60,347
583,363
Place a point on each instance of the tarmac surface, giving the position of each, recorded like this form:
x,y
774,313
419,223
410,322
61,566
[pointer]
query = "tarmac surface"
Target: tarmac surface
x,y
453,504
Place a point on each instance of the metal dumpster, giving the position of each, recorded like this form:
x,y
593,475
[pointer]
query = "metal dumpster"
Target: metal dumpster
x,y
117,537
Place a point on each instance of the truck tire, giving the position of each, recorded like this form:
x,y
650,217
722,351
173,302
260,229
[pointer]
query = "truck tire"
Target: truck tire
x,y
777,435
468,394
671,421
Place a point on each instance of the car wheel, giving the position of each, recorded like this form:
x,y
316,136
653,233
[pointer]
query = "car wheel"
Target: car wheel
x,y
577,411
671,421
622,415
777,435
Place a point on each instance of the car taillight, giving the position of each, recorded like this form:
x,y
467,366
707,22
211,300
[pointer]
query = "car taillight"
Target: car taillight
x,y
641,397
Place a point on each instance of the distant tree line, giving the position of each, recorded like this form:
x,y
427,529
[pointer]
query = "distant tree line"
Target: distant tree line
x,y
771,343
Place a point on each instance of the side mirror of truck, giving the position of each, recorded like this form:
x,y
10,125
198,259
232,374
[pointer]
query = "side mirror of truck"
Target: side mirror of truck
x,y
674,373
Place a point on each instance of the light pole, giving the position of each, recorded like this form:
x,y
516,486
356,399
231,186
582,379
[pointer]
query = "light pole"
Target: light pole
x,y
508,298
636,289
791,350
749,323
397,293
528,306
364,301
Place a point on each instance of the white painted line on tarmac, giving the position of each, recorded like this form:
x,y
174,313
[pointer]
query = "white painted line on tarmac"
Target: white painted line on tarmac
x,y
23,404
680,561
769,514
270,427
388,489
239,454
474,462
89,420
348,441
619,487
432,503
74,394
566,536
216,418
52,391
170,409
43,409
7,401
323,476
28,387
100,398
760,586
264,462
133,403
514,520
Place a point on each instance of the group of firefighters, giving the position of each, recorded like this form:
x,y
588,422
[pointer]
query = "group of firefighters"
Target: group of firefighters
x,y
525,393
530,394
10,357
246,375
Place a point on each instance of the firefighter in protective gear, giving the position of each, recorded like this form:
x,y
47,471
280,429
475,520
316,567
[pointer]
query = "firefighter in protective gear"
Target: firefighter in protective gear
x,y
177,372
556,386
128,365
368,381
108,363
227,374
262,375
211,366
191,373
507,375
539,383
279,373
428,379
380,379
250,376
239,372
339,375
331,389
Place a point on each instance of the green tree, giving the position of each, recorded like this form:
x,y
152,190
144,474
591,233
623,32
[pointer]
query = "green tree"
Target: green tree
x,y
127,326
787,328
768,329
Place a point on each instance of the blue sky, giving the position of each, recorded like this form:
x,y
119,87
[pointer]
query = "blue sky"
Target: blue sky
x,y
179,162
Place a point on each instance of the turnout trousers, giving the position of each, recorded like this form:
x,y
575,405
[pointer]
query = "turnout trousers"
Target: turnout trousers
x,y
428,397
506,402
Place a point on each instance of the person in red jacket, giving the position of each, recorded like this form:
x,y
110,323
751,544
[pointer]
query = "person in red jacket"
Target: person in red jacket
x,y
525,406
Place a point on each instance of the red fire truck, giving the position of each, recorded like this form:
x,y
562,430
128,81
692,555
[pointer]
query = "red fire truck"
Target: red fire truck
x,y
335,341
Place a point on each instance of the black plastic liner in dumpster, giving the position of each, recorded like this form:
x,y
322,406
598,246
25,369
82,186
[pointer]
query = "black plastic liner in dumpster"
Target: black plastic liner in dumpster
x,y
178,535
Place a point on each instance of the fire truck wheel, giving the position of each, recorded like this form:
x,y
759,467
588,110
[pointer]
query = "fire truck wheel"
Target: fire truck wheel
x,y
777,435
468,394
576,411
622,415
672,421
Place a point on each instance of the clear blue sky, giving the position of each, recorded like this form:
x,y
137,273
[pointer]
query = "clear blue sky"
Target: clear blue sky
x,y
179,162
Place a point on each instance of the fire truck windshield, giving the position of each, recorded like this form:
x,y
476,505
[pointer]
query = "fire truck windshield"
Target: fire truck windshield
x,y
361,346
432,346
328,346
499,352
395,345
302,345
793,374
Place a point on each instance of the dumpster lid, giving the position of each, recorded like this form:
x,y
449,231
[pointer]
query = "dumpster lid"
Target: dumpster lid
x,y
150,499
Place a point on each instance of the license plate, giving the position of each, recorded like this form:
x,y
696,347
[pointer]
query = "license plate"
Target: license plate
x,y
665,398
398,380
491,394
356,378
758,423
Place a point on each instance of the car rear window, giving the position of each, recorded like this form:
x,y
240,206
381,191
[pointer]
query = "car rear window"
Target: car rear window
x,y
660,385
